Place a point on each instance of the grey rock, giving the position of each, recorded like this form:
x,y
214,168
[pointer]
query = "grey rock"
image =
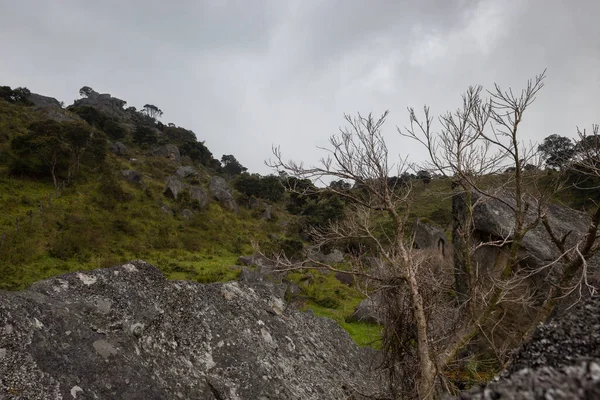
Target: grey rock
x,y
132,176
187,214
221,191
369,311
104,103
268,214
43,101
173,187
198,194
166,210
165,339
495,217
118,148
428,236
335,257
561,361
186,172
169,151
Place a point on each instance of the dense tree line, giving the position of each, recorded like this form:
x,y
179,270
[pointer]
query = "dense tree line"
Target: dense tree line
x,y
57,149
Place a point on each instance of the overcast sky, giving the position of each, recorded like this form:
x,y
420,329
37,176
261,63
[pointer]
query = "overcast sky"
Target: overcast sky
x,y
247,74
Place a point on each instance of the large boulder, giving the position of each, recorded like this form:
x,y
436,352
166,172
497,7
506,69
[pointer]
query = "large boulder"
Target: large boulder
x,y
368,311
493,217
169,151
221,191
561,361
173,187
128,333
42,102
186,172
105,103
198,194
429,236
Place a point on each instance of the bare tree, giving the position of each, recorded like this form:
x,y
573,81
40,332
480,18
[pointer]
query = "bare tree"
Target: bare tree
x,y
359,154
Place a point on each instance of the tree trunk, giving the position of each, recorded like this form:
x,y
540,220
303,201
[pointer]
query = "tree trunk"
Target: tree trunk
x,y
427,371
461,232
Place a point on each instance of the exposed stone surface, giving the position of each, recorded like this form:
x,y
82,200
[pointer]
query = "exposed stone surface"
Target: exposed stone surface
x,y
41,101
118,148
268,214
335,257
169,151
199,194
105,103
561,361
173,187
494,217
367,311
128,333
428,236
221,191
132,175
186,172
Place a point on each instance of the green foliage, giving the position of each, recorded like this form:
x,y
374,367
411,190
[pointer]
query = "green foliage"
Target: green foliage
x,y
52,148
152,111
144,135
178,135
18,95
290,247
101,121
267,187
557,151
231,165
198,152
86,91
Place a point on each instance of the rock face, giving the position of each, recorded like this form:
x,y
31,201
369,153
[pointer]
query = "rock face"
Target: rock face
x,y
367,311
429,236
495,218
186,172
173,187
104,102
41,101
561,361
221,191
128,333
169,151
199,194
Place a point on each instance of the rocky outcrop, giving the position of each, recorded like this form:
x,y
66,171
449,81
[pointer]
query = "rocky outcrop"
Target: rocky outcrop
x,y
128,333
51,108
186,172
42,102
169,151
221,191
428,236
105,103
493,217
561,361
198,194
173,187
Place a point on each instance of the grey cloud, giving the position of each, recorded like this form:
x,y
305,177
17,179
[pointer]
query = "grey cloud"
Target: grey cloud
x,y
245,75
